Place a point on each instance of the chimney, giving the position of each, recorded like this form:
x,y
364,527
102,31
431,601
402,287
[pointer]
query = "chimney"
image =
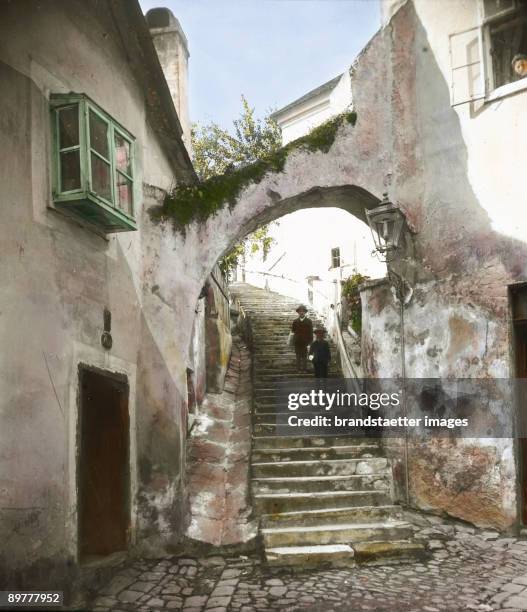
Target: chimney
x,y
172,49
389,8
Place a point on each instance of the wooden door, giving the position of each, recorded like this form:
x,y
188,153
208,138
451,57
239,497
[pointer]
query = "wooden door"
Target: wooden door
x,y
519,312
103,464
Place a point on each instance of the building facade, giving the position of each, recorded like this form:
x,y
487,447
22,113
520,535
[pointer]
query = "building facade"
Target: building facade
x,y
107,327
438,128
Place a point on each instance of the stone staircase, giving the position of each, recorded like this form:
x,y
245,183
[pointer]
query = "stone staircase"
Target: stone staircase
x,y
319,499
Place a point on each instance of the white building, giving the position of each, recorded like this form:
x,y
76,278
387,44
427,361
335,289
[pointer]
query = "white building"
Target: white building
x,y
320,246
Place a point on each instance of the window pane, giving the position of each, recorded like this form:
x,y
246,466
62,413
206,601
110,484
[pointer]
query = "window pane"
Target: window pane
x,y
464,48
122,154
467,84
495,7
70,171
99,135
508,39
124,190
69,127
100,177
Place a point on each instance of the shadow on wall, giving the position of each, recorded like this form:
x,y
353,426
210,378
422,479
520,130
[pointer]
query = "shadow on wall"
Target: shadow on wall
x,y
161,431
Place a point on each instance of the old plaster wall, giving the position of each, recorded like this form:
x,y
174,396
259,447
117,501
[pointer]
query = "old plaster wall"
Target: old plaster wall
x,y
219,472
473,479
409,141
468,226
57,278
197,354
218,340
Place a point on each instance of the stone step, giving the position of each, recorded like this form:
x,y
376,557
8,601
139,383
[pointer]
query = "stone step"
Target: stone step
x,y
360,514
383,552
264,455
350,533
320,484
270,407
322,500
288,371
279,376
286,368
266,429
332,467
276,503
280,412
309,441
332,555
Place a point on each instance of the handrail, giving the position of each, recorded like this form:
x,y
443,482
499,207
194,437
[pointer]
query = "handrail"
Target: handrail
x,y
219,287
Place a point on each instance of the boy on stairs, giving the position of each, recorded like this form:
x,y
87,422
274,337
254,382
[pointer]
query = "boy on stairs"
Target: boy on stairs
x,y
320,354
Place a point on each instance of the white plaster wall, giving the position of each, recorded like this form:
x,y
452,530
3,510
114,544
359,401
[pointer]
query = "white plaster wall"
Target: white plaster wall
x,y
314,111
494,132
57,278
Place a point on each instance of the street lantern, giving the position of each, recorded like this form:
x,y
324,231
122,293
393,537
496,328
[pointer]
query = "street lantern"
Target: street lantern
x,y
386,222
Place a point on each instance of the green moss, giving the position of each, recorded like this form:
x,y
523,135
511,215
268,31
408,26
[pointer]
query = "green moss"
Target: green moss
x,y
197,202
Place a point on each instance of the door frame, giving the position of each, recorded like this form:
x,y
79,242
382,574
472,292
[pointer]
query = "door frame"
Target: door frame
x,y
123,379
517,450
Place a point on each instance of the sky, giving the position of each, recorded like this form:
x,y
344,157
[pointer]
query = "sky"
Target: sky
x,y
272,51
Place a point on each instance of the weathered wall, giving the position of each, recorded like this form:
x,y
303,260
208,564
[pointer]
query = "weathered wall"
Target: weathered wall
x,y
218,341
197,356
436,163
219,471
473,479
57,278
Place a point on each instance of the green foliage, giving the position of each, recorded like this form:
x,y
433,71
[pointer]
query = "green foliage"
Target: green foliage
x,y
230,261
216,151
257,241
221,160
350,290
244,160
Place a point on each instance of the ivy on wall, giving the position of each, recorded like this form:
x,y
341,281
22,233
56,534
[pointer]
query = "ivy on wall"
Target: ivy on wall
x,y
197,202
350,291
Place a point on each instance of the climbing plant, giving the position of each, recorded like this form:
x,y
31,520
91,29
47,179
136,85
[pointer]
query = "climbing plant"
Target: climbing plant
x,y
350,291
219,152
198,201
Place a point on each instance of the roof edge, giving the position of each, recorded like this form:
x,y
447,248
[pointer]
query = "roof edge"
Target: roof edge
x,y
331,84
144,61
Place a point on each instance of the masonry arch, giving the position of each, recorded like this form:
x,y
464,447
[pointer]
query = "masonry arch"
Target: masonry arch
x,y
351,198
352,175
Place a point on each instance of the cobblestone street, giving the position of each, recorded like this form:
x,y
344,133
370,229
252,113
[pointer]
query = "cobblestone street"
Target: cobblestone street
x,y
467,569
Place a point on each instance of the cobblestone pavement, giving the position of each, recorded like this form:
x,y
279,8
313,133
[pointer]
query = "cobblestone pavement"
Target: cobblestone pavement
x,y
468,569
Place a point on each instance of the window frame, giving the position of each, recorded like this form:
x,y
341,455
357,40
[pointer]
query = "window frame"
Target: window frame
x,y
85,105
486,91
335,257
485,23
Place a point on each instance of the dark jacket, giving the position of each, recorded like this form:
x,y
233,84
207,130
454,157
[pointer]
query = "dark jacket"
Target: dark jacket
x,y
303,331
320,351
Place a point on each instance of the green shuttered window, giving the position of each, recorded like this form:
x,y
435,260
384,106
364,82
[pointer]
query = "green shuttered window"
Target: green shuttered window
x,y
93,164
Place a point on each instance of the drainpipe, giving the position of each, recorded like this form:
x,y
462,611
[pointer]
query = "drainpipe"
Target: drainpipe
x,y
405,406
404,299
